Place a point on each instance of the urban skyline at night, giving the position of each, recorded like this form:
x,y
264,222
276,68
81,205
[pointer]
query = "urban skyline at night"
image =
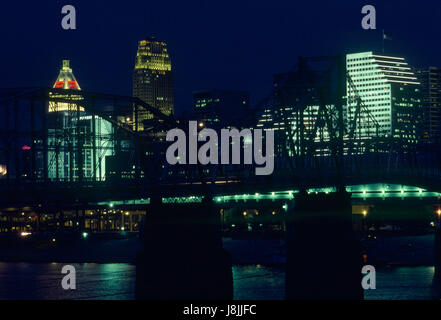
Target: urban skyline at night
x,y
263,49
209,155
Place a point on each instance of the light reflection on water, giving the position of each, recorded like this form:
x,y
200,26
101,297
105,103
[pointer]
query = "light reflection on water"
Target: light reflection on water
x,y
251,282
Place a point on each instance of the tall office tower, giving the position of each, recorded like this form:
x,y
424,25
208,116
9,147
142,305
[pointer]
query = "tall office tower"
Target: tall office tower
x,y
78,142
284,114
430,79
389,90
65,80
152,79
220,107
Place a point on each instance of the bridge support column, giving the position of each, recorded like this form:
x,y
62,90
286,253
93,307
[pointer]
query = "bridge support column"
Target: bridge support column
x,y
323,258
437,248
183,256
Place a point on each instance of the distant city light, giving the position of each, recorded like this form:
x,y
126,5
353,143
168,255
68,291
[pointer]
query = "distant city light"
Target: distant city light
x,y
3,170
85,235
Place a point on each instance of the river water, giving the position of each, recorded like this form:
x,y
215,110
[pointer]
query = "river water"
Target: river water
x,y
251,282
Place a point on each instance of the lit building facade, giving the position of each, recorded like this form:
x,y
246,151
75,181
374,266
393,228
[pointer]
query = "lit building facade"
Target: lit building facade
x,y
430,79
153,79
77,141
67,81
391,93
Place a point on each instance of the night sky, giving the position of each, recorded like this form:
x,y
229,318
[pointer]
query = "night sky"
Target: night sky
x,y
213,44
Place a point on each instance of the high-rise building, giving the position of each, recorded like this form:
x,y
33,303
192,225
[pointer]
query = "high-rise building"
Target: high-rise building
x,y
430,79
390,92
65,80
78,142
153,79
284,115
220,107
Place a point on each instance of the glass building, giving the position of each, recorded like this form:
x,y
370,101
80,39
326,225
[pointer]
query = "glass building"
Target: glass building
x,y
390,93
153,79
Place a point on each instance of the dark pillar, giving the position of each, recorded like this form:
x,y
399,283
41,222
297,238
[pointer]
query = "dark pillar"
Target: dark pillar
x,y
183,256
323,258
437,248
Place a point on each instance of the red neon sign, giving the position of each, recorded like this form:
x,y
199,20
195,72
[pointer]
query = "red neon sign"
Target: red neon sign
x,y
72,84
59,84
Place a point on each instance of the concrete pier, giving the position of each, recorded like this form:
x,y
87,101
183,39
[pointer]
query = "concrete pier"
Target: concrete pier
x,y
437,251
183,256
323,258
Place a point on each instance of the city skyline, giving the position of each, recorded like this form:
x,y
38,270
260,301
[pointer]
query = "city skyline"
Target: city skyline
x,y
234,150
207,55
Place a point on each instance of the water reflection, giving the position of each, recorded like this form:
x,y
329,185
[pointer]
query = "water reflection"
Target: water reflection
x,y
251,282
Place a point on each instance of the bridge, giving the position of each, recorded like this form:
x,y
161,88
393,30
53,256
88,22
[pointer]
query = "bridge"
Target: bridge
x,y
64,149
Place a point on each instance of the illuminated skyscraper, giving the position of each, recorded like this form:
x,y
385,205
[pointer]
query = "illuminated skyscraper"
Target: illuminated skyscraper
x,y
78,142
65,80
389,90
153,78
